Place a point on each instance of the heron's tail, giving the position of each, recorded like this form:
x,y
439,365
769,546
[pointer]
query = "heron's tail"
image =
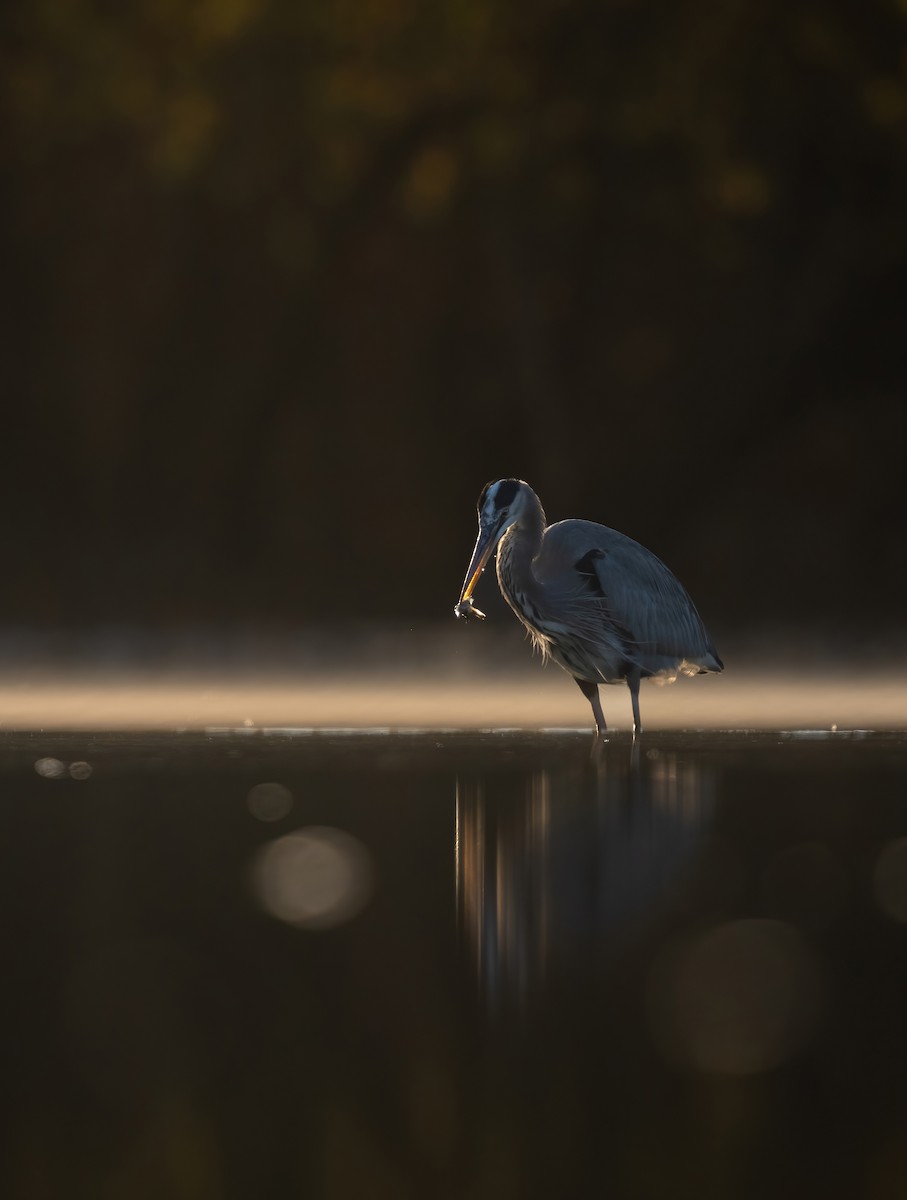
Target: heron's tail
x,y
708,663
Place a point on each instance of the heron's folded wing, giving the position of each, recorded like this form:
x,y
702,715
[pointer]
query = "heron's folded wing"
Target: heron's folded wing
x,y
639,593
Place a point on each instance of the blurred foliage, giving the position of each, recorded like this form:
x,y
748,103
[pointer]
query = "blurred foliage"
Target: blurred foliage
x,y
287,282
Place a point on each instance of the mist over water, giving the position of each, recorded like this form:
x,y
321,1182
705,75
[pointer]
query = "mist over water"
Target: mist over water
x,y
428,677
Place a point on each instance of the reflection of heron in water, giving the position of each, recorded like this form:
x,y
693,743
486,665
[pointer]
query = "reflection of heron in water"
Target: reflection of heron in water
x,y
602,606
569,864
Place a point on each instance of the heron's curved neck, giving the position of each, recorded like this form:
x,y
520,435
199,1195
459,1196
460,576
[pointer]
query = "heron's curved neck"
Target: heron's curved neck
x,y
517,549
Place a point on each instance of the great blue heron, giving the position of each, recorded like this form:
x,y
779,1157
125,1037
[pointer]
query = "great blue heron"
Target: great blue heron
x,y
602,606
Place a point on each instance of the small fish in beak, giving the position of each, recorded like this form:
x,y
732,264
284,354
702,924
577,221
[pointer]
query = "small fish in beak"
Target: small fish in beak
x,y
467,608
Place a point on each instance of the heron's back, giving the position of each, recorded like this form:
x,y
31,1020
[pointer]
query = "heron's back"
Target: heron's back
x,y
636,599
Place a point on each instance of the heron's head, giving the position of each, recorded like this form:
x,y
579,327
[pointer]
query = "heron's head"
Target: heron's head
x,y
502,503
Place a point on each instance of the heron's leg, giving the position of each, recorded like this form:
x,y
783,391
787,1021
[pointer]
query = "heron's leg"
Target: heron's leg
x,y
590,691
633,684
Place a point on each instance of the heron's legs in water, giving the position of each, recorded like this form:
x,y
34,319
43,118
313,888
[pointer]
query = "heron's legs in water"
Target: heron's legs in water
x,y
590,691
633,684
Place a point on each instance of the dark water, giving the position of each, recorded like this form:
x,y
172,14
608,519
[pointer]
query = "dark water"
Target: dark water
x,y
437,965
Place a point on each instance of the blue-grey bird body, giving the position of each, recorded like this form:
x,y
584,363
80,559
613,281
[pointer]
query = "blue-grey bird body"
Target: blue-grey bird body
x,y
602,606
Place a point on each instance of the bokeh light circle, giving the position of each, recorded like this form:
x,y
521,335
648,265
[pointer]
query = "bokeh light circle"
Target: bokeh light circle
x,y
740,999
889,880
269,801
314,878
50,768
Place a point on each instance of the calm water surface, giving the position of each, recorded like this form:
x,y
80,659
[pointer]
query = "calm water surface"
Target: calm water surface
x,y
277,964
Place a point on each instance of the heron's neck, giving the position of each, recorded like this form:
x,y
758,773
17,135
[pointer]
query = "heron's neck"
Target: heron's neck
x,y
516,551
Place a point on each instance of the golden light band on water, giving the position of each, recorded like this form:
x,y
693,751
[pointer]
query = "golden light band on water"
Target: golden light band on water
x,y
806,704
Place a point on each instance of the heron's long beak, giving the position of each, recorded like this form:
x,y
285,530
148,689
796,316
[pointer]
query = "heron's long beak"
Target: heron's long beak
x,y
485,543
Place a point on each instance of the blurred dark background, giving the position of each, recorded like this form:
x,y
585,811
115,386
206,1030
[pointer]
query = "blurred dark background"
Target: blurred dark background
x,y
286,283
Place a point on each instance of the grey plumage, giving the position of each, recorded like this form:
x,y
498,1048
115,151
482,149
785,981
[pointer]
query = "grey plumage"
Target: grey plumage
x,y
600,604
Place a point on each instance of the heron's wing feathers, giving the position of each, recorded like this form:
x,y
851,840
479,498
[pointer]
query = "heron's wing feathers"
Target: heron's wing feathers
x,y
630,591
